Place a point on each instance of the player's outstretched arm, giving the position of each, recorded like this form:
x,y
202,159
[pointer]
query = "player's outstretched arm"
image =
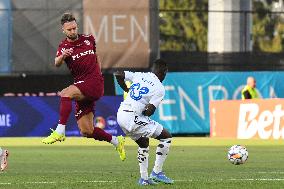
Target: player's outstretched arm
x,y
149,110
59,60
120,76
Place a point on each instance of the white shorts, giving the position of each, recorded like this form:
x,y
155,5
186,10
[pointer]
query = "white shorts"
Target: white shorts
x,y
136,126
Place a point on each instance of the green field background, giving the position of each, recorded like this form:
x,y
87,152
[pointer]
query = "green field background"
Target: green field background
x,y
192,163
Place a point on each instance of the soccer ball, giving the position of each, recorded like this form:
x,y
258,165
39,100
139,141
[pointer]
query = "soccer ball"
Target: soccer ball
x,y
237,154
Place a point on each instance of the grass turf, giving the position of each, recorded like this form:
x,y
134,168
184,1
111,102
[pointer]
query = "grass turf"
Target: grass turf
x,y
192,163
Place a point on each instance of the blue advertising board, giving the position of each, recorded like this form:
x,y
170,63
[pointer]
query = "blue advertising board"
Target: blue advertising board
x,y
185,108
34,116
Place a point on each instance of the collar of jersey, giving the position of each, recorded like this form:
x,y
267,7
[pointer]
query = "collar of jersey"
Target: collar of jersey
x,y
78,41
154,75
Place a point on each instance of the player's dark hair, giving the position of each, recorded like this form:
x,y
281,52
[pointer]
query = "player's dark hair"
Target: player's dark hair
x,y
159,64
67,17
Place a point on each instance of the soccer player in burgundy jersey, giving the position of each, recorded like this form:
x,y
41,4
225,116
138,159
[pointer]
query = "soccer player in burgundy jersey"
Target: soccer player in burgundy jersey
x,y
78,51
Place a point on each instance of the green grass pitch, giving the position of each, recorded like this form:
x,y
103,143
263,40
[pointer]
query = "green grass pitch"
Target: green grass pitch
x,y
192,163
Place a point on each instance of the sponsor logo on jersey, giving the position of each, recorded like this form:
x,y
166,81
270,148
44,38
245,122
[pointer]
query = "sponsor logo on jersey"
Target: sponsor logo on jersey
x,y
79,82
87,42
78,113
79,55
139,122
136,91
62,50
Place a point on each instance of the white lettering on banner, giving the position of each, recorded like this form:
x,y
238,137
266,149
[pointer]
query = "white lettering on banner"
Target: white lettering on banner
x,y
183,96
5,120
213,88
265,119
134,22
238,91
246,131
167,102
278,113
249,126
103,28
272,93
104,31
198,106
116,28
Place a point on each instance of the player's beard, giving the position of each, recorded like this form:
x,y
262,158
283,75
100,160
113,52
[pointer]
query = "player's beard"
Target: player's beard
x,y
72,37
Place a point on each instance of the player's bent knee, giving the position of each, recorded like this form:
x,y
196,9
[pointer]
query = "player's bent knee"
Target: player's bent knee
x,y
87,133
71,92
143,142
164,135
65,93
169,135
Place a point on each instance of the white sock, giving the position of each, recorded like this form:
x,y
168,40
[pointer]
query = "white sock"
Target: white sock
x,y
143,154
161,154
60,129
1,152
114,141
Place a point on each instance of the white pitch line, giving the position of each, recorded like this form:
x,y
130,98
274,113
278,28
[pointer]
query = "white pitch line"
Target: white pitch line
x,y
183,180
43,182
232,179
5,183
260,179
113,181
100,181
270,172
53,182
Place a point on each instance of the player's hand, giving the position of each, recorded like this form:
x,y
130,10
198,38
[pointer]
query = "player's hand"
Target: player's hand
x,y
67,52
149,110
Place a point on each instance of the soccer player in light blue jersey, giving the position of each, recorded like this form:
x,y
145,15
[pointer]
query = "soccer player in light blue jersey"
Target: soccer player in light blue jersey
x,y
144,96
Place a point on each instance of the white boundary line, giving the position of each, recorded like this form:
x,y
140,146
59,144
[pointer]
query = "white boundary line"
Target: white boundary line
x,y
260,179
43,182
192,172
98,181
190,180
114,181
53,182
270,172
232,179
5,183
